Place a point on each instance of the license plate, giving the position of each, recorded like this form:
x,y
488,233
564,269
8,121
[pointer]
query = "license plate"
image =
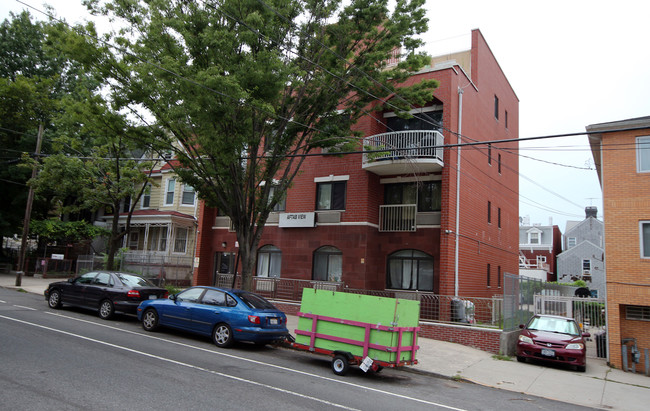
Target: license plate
x,y
273,321
153,297
548,353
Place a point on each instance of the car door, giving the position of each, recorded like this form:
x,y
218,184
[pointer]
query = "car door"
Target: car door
x,y
74,293
212,310
97,290
179,313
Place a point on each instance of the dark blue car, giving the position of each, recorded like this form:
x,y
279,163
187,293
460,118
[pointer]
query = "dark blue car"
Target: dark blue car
x,y
224,314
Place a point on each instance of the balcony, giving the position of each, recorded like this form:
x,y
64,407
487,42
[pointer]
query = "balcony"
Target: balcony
x,y
403,152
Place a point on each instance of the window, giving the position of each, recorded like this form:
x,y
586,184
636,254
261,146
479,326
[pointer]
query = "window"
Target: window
x,y
188,195
645,239
269,261
126,204
146,196
489,214
214,297
157,240
489,153
169,193
429,120
427,195
488,275
331,196
499,162
499,217
534,237
224,263
586,266
191,295
410,270
499,276
180,241
328,264
134,241
281,204
496,107
571,242
637,312
102,279
506,118
643,154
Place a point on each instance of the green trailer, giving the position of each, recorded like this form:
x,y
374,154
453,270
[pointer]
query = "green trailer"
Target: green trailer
x,y
369,331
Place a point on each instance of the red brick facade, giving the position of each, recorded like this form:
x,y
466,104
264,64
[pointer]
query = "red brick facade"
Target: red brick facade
x,y
626,203
486,177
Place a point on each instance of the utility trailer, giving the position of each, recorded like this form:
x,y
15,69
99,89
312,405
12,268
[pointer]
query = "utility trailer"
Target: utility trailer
x,y
368,331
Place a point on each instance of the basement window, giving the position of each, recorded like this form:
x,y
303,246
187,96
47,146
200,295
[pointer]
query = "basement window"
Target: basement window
x,y
637,312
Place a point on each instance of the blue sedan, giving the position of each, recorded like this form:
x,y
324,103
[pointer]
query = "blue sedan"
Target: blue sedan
x,y
224,314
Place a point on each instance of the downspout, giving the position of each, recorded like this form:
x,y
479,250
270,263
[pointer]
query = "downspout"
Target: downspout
x,y
460,127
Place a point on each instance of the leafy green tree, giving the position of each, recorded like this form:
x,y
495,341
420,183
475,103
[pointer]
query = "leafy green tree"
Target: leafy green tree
x,y
248,87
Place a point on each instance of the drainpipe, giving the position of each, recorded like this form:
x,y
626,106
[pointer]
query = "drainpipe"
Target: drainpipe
x,y
460,127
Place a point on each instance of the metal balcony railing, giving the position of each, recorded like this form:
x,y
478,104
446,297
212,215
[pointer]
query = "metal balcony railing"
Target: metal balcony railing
x,y
397,217
409,144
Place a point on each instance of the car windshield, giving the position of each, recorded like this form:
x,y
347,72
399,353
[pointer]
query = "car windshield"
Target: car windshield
x,y
134,281
255,301
556,325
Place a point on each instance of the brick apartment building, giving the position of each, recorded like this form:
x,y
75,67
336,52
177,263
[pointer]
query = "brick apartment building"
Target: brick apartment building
x,y
621,151
392,219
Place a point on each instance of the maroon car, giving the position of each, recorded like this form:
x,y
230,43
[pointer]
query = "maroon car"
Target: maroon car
x,y
553,338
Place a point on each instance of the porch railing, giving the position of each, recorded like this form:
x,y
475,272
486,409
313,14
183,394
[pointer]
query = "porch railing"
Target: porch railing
x,y
397,217
412,144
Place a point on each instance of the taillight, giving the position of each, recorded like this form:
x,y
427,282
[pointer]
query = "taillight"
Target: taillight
x,y
133,293
254,319
166,295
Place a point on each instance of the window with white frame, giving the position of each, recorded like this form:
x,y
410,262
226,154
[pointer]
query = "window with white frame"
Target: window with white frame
x,y
188,195
643,154
534,237
146,197
180,240
157,240
586,266
281,204
571,242
269,261
169,192
645,238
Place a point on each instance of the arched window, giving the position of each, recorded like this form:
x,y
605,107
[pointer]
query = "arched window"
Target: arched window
x,y
269,261
328,264
410,270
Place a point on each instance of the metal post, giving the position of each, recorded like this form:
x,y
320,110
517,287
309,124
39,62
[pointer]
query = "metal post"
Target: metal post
x,y
624,355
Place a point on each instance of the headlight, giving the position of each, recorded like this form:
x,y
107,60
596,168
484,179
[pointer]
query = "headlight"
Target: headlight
x,y
575,346
524,339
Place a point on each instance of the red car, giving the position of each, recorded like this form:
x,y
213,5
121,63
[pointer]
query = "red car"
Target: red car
x,y
554,339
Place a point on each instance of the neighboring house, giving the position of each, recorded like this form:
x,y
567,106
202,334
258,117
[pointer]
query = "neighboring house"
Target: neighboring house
x,y
539,246
394,220
583,255
162,238
621,151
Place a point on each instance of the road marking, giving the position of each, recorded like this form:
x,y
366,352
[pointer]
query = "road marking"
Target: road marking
x,y
26,308
2,301
232,356
157,357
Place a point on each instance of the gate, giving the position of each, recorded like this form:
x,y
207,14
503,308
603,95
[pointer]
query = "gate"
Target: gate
x,y
589,313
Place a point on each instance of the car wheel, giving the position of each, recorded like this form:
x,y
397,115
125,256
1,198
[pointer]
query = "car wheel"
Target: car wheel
x,y
581,368
340,364
55,299
106,310
150,320
521,359
222,335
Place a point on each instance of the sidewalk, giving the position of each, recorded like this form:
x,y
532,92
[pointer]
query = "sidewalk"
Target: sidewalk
x,y
599,387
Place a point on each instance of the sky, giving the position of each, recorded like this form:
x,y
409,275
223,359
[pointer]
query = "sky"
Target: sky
x,y
571,63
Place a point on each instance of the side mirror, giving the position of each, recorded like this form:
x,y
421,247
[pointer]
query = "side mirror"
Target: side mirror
x,y
172,297
522,326
71,280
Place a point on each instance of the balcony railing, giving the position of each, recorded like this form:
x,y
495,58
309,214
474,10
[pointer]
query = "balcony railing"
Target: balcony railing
x,y
403,151
397,217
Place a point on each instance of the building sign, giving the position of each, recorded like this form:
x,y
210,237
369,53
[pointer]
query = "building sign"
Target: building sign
x,y
57,256
291,220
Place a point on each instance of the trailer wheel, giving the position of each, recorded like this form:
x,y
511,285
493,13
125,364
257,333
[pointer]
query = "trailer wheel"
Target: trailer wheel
x,y
340,364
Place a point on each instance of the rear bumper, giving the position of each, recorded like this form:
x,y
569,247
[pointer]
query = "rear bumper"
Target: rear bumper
x,y
260,334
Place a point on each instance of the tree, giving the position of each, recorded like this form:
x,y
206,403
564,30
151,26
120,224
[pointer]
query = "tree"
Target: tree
x,y
248,87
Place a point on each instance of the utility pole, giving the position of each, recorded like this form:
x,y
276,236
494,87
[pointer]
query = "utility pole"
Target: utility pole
x,y
28,212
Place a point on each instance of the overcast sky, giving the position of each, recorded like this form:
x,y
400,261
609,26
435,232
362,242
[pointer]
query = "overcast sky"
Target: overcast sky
x,y
572,63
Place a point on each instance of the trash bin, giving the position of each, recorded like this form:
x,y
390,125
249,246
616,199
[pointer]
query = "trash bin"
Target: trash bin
x,y
458,311
601,344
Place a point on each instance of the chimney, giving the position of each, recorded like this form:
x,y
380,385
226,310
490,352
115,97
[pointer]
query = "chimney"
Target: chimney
x,y
591,211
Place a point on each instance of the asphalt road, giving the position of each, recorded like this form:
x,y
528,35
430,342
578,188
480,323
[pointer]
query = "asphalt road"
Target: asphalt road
x,y
71,359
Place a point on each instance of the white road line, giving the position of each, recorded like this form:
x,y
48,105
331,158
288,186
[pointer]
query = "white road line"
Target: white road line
x,y
2,301
26,308
338,381
131,350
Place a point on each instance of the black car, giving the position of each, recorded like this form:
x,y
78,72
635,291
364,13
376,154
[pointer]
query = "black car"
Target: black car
x,y
104,291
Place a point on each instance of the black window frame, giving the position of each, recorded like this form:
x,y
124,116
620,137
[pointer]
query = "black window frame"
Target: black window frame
x,y
337,193
416,262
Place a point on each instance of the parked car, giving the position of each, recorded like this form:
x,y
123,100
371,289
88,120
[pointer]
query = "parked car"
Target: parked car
x,y
225,315
107,292
554,339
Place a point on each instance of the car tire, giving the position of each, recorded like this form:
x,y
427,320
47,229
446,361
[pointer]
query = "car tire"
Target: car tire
x,y
106,309
222,335
340,364
54,300
521,359
150,320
